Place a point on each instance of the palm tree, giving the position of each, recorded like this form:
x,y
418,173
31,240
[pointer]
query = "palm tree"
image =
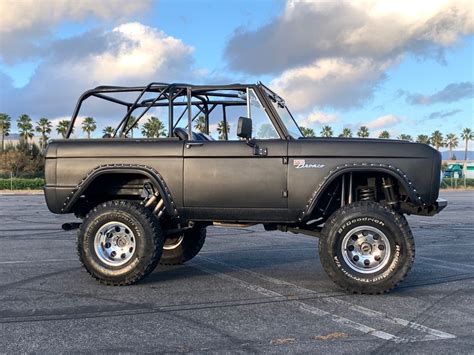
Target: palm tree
x,y
44,127
467,135
307,132
405,137
346,133
108,131
5,125
437,139
201,124
153,128
384,134
451,142
363,132
423,138
221,129
131,126
89,125
25,126
326,131
62,127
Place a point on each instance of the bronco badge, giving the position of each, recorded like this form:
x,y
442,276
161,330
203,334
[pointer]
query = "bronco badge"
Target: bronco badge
x,y
301,164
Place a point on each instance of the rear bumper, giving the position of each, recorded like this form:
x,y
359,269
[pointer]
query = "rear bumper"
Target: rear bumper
x,y
424,210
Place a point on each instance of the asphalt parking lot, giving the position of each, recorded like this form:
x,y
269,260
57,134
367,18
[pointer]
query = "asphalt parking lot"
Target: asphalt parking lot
x,y
247,291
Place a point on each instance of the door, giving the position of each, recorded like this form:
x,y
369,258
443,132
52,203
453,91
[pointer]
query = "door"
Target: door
x,y
225,180
228,180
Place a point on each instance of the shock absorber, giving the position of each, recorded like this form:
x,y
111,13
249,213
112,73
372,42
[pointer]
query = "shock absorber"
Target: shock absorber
x,y
389,191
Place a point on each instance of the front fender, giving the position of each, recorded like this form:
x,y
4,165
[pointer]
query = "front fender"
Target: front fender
x,y
339,170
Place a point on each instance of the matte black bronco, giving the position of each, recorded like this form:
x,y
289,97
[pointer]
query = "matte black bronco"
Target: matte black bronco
x,y
233,154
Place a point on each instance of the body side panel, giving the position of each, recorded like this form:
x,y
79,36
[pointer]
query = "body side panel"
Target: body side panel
x,y
323,156
75,160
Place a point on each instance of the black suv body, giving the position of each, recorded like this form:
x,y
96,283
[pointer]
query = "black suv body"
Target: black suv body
x,y
175,186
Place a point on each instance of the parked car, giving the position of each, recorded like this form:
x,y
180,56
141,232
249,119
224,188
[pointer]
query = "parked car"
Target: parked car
x,y
454,170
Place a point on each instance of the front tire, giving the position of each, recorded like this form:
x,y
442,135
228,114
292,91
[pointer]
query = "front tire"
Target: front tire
x,y
366,248
119,242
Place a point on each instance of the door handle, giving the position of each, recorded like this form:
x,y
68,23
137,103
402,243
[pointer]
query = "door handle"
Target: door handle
x,y
193,144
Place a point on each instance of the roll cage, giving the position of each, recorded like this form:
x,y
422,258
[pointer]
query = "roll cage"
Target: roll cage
x,y
206,98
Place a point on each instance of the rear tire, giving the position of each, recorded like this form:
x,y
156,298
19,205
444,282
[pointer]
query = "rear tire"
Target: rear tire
x,y
177,251
119,242
366,248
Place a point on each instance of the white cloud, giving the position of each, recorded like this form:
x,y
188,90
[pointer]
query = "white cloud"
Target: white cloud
x,y
334,53
383,122
378,29
130,54
316,117
450,93
24,22
333,82
27,14
140,54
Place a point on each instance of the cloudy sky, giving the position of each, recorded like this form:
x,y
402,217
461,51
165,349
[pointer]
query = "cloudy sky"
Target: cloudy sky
x,y
406,66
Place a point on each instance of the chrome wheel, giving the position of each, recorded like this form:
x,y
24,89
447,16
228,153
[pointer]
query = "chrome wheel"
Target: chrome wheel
x,y
114,243
366,249
173,243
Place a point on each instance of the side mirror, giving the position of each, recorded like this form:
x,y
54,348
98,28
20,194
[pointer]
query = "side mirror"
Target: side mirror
x,y
244,128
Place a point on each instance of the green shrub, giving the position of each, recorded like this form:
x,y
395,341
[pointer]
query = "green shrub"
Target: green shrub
x,y
449,183
21,184
22,175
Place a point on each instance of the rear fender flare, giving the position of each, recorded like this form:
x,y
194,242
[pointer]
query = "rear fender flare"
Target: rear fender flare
x,y
148,171
337,171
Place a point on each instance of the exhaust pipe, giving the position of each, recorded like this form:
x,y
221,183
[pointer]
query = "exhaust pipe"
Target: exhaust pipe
x,y
158,207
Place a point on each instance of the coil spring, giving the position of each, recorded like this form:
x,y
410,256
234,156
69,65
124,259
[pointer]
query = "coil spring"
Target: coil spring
x,y
366,194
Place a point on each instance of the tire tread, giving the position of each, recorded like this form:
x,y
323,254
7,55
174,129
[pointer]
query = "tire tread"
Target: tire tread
x,y
366,206
158,240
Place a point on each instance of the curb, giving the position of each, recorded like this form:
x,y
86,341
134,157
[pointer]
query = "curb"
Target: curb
x,y
21,192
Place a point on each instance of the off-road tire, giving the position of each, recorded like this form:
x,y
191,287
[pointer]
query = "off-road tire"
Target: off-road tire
x,y
148,239
193,241
379,217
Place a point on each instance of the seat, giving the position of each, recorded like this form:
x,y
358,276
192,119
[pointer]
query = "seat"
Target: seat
x,y
203,137
181,133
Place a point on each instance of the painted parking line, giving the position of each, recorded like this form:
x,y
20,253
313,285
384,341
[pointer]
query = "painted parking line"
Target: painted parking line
x,y
460,266
258,250
36,261
304,306
430,334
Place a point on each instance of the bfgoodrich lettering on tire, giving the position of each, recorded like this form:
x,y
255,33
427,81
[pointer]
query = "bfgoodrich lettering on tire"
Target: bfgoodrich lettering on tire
x,y
366,247
120,242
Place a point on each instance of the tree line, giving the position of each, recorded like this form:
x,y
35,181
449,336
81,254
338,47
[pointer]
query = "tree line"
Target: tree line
x,y
436,139
154,128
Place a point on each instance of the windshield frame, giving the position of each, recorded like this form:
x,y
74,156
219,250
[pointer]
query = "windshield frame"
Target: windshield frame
x,y
270,95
